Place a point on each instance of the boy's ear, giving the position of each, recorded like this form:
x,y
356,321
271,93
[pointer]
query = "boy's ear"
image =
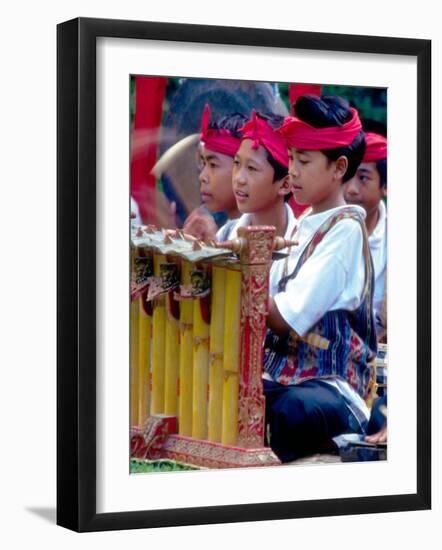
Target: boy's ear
x,y
341,165
284,186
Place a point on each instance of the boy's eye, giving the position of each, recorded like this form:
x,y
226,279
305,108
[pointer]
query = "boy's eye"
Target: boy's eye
x,y
252,168
302,161
236,162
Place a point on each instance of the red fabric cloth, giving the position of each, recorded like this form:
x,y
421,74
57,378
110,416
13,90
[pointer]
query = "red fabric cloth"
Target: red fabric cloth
x,y
297,90
149,97
261,133
220,141
301,135
376,147
297,208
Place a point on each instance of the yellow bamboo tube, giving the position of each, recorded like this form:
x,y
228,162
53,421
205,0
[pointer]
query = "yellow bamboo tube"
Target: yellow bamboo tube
x,y
171,362
200,372
216,353
231,357
186,358
158,345
144,337
134,379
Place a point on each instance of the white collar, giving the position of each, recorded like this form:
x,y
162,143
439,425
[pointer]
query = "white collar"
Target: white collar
x,y
244,220
312,222
379,231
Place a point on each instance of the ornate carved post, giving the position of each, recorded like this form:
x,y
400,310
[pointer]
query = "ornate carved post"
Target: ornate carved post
x,y
255,258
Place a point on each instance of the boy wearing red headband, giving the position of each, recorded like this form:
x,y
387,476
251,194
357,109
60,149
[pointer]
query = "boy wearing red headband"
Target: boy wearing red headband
x,y
322,340
220,141
367,188
260,177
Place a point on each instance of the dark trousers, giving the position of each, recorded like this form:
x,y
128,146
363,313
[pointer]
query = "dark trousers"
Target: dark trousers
x,y
377,419
303,418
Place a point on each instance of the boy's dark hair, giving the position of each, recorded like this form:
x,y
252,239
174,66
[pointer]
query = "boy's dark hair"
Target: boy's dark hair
x,y
327,111
279,170
381,166
232,122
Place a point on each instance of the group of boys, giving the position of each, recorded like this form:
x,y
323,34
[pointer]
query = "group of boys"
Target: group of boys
x,y
327,297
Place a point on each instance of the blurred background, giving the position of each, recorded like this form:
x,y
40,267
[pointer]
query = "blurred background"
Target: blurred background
x,y
165,111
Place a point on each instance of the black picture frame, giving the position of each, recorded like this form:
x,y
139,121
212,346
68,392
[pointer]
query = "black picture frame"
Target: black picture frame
x,y
76,273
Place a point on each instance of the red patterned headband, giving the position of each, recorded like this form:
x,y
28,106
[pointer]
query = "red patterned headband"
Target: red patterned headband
x,y
261,133
376,147
220,141
301,135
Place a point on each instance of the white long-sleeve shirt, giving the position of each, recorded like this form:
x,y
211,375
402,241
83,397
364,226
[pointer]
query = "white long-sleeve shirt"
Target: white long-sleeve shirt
x,y
377,242
332,278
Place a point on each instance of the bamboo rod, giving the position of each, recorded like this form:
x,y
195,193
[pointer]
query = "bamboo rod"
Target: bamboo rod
x,y
216,353
200,372
171,361
144,344
186,358
134,378
158,345
231,357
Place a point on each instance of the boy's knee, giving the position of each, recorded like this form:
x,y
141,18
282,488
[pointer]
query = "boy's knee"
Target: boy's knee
x,y
291,408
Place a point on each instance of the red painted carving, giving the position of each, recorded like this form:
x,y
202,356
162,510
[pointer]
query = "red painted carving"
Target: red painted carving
x,y
215,455
255,258
148,441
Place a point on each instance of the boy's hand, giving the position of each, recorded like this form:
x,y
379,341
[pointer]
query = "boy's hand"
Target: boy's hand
x,y
200,224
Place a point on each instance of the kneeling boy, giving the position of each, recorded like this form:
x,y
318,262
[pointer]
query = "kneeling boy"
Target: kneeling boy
x,y
367,189
322,340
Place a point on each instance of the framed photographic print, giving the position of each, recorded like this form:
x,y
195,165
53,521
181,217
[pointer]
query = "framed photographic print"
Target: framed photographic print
x,y
222,274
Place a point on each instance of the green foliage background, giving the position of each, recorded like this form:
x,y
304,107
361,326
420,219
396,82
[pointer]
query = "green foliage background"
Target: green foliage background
x,y
370,102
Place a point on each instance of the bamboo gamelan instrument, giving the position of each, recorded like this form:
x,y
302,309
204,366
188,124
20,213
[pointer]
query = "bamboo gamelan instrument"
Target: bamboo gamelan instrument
x,y
198,316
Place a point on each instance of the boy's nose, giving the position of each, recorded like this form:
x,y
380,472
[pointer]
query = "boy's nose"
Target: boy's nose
x,y
293,173
351,189
202,177
293,176
239,177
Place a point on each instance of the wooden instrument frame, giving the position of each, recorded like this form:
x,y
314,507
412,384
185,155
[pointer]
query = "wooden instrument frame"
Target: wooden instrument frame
x,y
158,438
77,465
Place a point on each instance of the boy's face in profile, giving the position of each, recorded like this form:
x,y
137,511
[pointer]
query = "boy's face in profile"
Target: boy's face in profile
x,y
216,180
311,176
365,188
252,179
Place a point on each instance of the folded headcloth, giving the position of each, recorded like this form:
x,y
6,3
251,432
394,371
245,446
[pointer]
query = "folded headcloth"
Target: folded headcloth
x,y
261,133
220,141
300,135
376,147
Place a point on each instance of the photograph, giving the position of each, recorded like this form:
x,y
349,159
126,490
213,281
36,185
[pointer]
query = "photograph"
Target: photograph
x,y
258,273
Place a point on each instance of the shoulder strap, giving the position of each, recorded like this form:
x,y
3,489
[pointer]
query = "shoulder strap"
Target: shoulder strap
x,y
345,213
